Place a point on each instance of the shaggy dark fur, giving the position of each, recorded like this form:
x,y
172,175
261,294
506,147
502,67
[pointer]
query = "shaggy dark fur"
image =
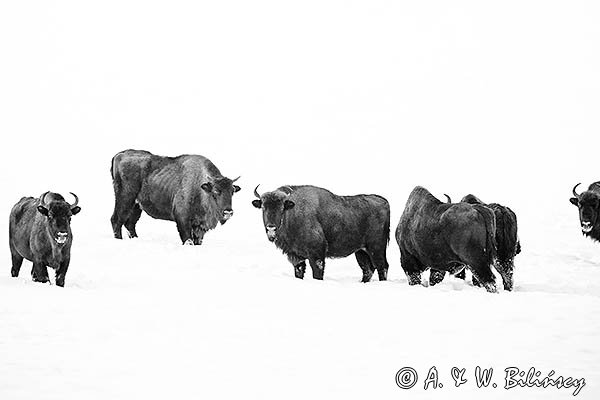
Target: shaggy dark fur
x,y
188,189
588,204
507,240
40,231
307,222
446,237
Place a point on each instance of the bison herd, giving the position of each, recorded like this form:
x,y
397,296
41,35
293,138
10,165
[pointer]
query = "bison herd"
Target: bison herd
x,y
304,222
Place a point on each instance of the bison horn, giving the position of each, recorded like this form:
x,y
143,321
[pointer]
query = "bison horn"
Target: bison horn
x,y
236,179
287,190
256,191
43,201
574,192
76,199
449,200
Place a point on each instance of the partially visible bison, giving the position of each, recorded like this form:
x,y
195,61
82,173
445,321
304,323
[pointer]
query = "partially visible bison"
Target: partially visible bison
x,y
507,239
308,222
588,203
188,189
446,237
40,231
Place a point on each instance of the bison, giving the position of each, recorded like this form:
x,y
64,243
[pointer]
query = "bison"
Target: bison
x,y
446,237
507,239
588,203
40,231
308,222
188,189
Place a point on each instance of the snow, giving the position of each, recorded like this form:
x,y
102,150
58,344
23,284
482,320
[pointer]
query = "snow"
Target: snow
x,y
359,98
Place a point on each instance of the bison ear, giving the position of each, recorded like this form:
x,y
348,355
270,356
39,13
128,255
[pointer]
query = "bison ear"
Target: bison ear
x,y
236,188
75,210
43,210
207,186
288,205
257,203
574,201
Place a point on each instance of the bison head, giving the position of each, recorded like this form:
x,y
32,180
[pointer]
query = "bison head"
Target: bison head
x,y
221,192
58,215
588,203
274,205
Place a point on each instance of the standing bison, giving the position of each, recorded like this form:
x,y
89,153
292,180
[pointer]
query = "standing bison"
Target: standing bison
x,y
40,231
446,237
188,189
307,222
588,203
507,239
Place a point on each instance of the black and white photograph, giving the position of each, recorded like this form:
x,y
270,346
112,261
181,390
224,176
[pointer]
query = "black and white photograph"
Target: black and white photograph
x,y
334,199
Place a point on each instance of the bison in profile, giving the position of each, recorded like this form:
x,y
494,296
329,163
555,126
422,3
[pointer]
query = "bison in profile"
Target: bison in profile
x,y
588,203
40,231
308,222
507,239
446,237
188,189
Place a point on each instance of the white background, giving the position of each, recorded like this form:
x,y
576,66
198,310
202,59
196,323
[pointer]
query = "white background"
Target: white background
x,y
495,98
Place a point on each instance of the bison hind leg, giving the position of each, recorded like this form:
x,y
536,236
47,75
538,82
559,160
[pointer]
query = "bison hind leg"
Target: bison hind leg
x,y
436,276
366,265
484,277
17,261
134,217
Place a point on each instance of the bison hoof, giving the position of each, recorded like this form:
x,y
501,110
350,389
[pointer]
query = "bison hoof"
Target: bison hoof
x,y
188,242
490,287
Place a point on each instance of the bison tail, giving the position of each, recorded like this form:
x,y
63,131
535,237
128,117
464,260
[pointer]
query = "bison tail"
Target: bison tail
x,y
508,243
490,226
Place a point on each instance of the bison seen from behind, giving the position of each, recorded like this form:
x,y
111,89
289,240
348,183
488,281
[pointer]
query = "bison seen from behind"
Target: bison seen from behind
x,y
507,239
588,203
308,222
188,189
40,231
446,237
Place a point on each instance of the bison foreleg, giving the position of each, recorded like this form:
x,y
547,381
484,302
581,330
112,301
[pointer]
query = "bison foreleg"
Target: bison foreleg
x,y
300,269
61,273
318,268
39,273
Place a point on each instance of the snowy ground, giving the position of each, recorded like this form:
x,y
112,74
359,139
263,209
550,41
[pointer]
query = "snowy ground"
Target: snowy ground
x,y
496,100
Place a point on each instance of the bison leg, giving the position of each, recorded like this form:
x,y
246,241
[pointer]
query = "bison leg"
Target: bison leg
x,y
300,269
485,277
318,268
364,260
39,273
380,262
132,219
185,230
436,276
17,261
124,205
299,265
61,273
506,272
412,267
